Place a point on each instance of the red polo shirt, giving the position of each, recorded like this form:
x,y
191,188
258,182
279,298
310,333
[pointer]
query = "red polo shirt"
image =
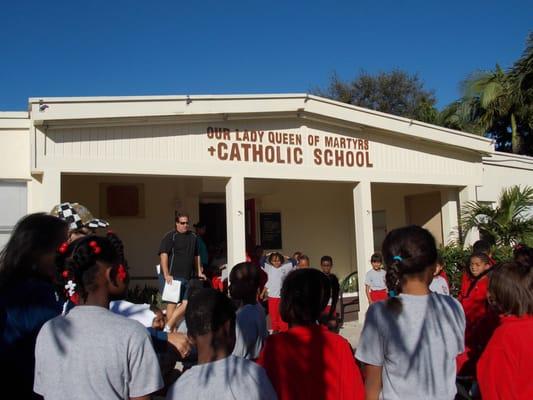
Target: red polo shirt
x,y
310,362
505,370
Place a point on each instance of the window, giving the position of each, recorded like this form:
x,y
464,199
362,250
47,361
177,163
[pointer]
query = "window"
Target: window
x,y
13,198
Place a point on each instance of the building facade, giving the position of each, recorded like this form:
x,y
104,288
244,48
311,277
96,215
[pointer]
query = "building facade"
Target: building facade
x,y
293,171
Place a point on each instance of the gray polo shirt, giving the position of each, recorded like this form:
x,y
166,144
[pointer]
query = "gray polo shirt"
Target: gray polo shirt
x,y
92,353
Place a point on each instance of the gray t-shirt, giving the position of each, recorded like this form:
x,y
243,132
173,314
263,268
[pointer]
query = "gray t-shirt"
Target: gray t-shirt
x,y
416,348
92,353
276,276
376,279
232,378
251,331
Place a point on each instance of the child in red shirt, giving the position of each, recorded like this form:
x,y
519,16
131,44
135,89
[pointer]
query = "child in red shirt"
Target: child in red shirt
x,y
480,320
505,367
309,362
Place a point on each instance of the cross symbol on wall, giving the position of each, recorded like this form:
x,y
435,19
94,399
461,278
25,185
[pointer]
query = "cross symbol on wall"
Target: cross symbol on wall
x,y
211,150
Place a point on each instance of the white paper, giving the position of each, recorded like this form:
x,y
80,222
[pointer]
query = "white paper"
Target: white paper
x,y
171,293
138,312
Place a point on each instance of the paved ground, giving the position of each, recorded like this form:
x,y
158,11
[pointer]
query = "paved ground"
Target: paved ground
x,y
352,331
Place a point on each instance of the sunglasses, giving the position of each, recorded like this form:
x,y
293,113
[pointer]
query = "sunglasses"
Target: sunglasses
x,y
183,223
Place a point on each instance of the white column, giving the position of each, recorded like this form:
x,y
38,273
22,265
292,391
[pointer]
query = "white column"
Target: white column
x,y
235,221
450,215
364,238
468,193
44,191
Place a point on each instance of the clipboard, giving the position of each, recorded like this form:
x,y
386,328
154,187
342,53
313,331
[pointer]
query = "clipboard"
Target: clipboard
x,y
171,293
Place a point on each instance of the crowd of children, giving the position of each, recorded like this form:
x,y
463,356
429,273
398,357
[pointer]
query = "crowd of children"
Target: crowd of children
x,y
59,339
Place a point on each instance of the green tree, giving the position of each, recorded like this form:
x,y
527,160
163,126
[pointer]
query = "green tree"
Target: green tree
x,y
396,92
508,223
498,104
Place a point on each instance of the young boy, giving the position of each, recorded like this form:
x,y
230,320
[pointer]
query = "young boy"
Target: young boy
x,y
210,318
376,288
480,320
303,262
250,329
329,316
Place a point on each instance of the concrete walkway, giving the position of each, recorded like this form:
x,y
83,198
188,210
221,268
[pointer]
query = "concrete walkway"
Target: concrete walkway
x,y
351,331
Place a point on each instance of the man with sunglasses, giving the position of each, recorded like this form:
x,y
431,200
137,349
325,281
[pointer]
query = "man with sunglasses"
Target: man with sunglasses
x,y
180,260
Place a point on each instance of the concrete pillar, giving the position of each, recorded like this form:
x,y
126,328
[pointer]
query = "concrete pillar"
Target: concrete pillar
x,y
468,193
364,239
235,221
44,191
450,216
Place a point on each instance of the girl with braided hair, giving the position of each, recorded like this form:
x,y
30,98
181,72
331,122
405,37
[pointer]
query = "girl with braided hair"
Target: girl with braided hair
x,y
410,342
101,354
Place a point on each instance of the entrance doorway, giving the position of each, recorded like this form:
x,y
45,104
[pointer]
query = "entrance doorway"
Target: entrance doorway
x,y
213,215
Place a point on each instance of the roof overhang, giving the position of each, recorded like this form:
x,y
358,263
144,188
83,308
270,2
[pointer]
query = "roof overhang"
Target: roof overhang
x,y
139,110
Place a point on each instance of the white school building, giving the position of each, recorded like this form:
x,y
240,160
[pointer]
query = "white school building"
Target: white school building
x,y
290,171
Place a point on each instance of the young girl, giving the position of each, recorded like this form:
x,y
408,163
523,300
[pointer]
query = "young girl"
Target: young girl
x,y
27,296
504,369
376,289
276,273
92,352
309,362
439,284
480,320
250,328
409,342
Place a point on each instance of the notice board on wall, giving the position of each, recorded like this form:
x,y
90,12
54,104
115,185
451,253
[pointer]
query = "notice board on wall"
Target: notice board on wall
x,y
270,225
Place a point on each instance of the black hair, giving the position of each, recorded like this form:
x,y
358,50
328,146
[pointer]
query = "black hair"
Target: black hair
x,y
376,257
440,260
181,215
80,264
33,236
304,257
326,259
304,295
244,281
482,256
511,289
155,309
406,251
481,246
207,311
273,255
524,255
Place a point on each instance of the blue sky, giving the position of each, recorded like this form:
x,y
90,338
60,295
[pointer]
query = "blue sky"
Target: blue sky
x,y
116,47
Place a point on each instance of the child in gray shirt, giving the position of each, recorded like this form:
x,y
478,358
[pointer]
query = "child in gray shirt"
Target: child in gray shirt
x,y
409,342
92,353
250,328
210,318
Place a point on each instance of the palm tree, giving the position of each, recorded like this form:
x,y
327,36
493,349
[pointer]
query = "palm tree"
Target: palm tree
x,y
498,99
508,223
498,104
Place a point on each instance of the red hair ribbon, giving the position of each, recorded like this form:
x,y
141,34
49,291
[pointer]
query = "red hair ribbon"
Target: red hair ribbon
x,y
96,249
122,274
63,248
